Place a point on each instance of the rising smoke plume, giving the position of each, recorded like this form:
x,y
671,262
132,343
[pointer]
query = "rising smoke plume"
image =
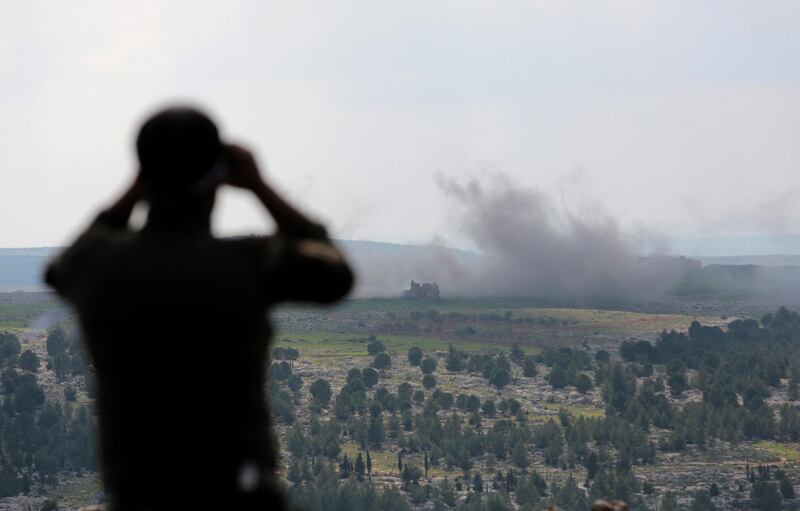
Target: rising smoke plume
x,y
535,246
526,245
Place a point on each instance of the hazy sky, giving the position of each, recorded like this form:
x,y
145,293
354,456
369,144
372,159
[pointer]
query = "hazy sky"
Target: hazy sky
x,y
681,117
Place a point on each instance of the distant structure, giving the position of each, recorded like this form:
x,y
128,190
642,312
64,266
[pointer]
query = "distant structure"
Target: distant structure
x,y
424,291
679,263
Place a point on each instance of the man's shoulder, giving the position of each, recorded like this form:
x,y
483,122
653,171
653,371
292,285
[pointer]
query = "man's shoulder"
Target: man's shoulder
x,y
71,266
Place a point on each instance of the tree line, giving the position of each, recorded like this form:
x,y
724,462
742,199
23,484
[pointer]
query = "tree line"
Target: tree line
x,y
40,437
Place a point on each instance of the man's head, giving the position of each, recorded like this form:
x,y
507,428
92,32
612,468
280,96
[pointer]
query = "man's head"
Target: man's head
x,y
179,152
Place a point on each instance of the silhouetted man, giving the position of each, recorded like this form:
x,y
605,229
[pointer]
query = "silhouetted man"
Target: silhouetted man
x,y
175,322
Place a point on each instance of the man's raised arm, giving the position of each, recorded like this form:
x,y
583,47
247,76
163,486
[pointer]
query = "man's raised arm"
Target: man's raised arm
x,y
311,268
244,173
63,272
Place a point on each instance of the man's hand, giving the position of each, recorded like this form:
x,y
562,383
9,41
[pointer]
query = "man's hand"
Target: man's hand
x,y
135,191
242,168
243,173
117,214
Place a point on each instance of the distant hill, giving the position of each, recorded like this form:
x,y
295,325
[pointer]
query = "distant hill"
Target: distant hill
x,y
384,269
21,268
771,284
757,260
739,246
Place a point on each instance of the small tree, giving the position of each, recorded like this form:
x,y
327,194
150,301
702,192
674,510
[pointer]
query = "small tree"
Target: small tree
x,y
375,347
296,441
376,432
677,382
500,377
445,400
429,381
516,353
28,361
558,378
584,384
291,355
454,363
359,467
603,357
369,376
404,391
56,341
529,367
295,475
447,492
428,365
345,467
61,364
321,391
527,493
473,403
510,480
295,383
410,475
592,464
520,456
787,490
70,394
477,483
382,361
354,374
414,355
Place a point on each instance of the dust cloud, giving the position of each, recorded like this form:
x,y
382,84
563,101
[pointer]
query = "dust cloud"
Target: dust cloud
x,y
526,244
535,246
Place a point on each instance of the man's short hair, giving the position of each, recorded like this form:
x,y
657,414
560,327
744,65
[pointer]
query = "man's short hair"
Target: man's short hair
x,y
178,148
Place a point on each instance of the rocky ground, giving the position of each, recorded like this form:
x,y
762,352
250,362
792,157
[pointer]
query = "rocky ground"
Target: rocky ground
x,y
681,473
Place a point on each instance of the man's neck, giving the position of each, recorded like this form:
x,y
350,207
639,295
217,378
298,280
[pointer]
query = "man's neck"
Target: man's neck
x,y
177,220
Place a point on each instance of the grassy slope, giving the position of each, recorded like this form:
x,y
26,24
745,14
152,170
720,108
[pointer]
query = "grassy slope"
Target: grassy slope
x,y
20,310
322,344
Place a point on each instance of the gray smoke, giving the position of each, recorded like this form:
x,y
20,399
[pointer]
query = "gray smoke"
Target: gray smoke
x,y
535,247
526,244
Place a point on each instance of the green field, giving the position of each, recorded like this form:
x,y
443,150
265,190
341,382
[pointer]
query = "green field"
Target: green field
x,y
20,310
588,412
471,325
786,452
324,344
399,305
383,462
